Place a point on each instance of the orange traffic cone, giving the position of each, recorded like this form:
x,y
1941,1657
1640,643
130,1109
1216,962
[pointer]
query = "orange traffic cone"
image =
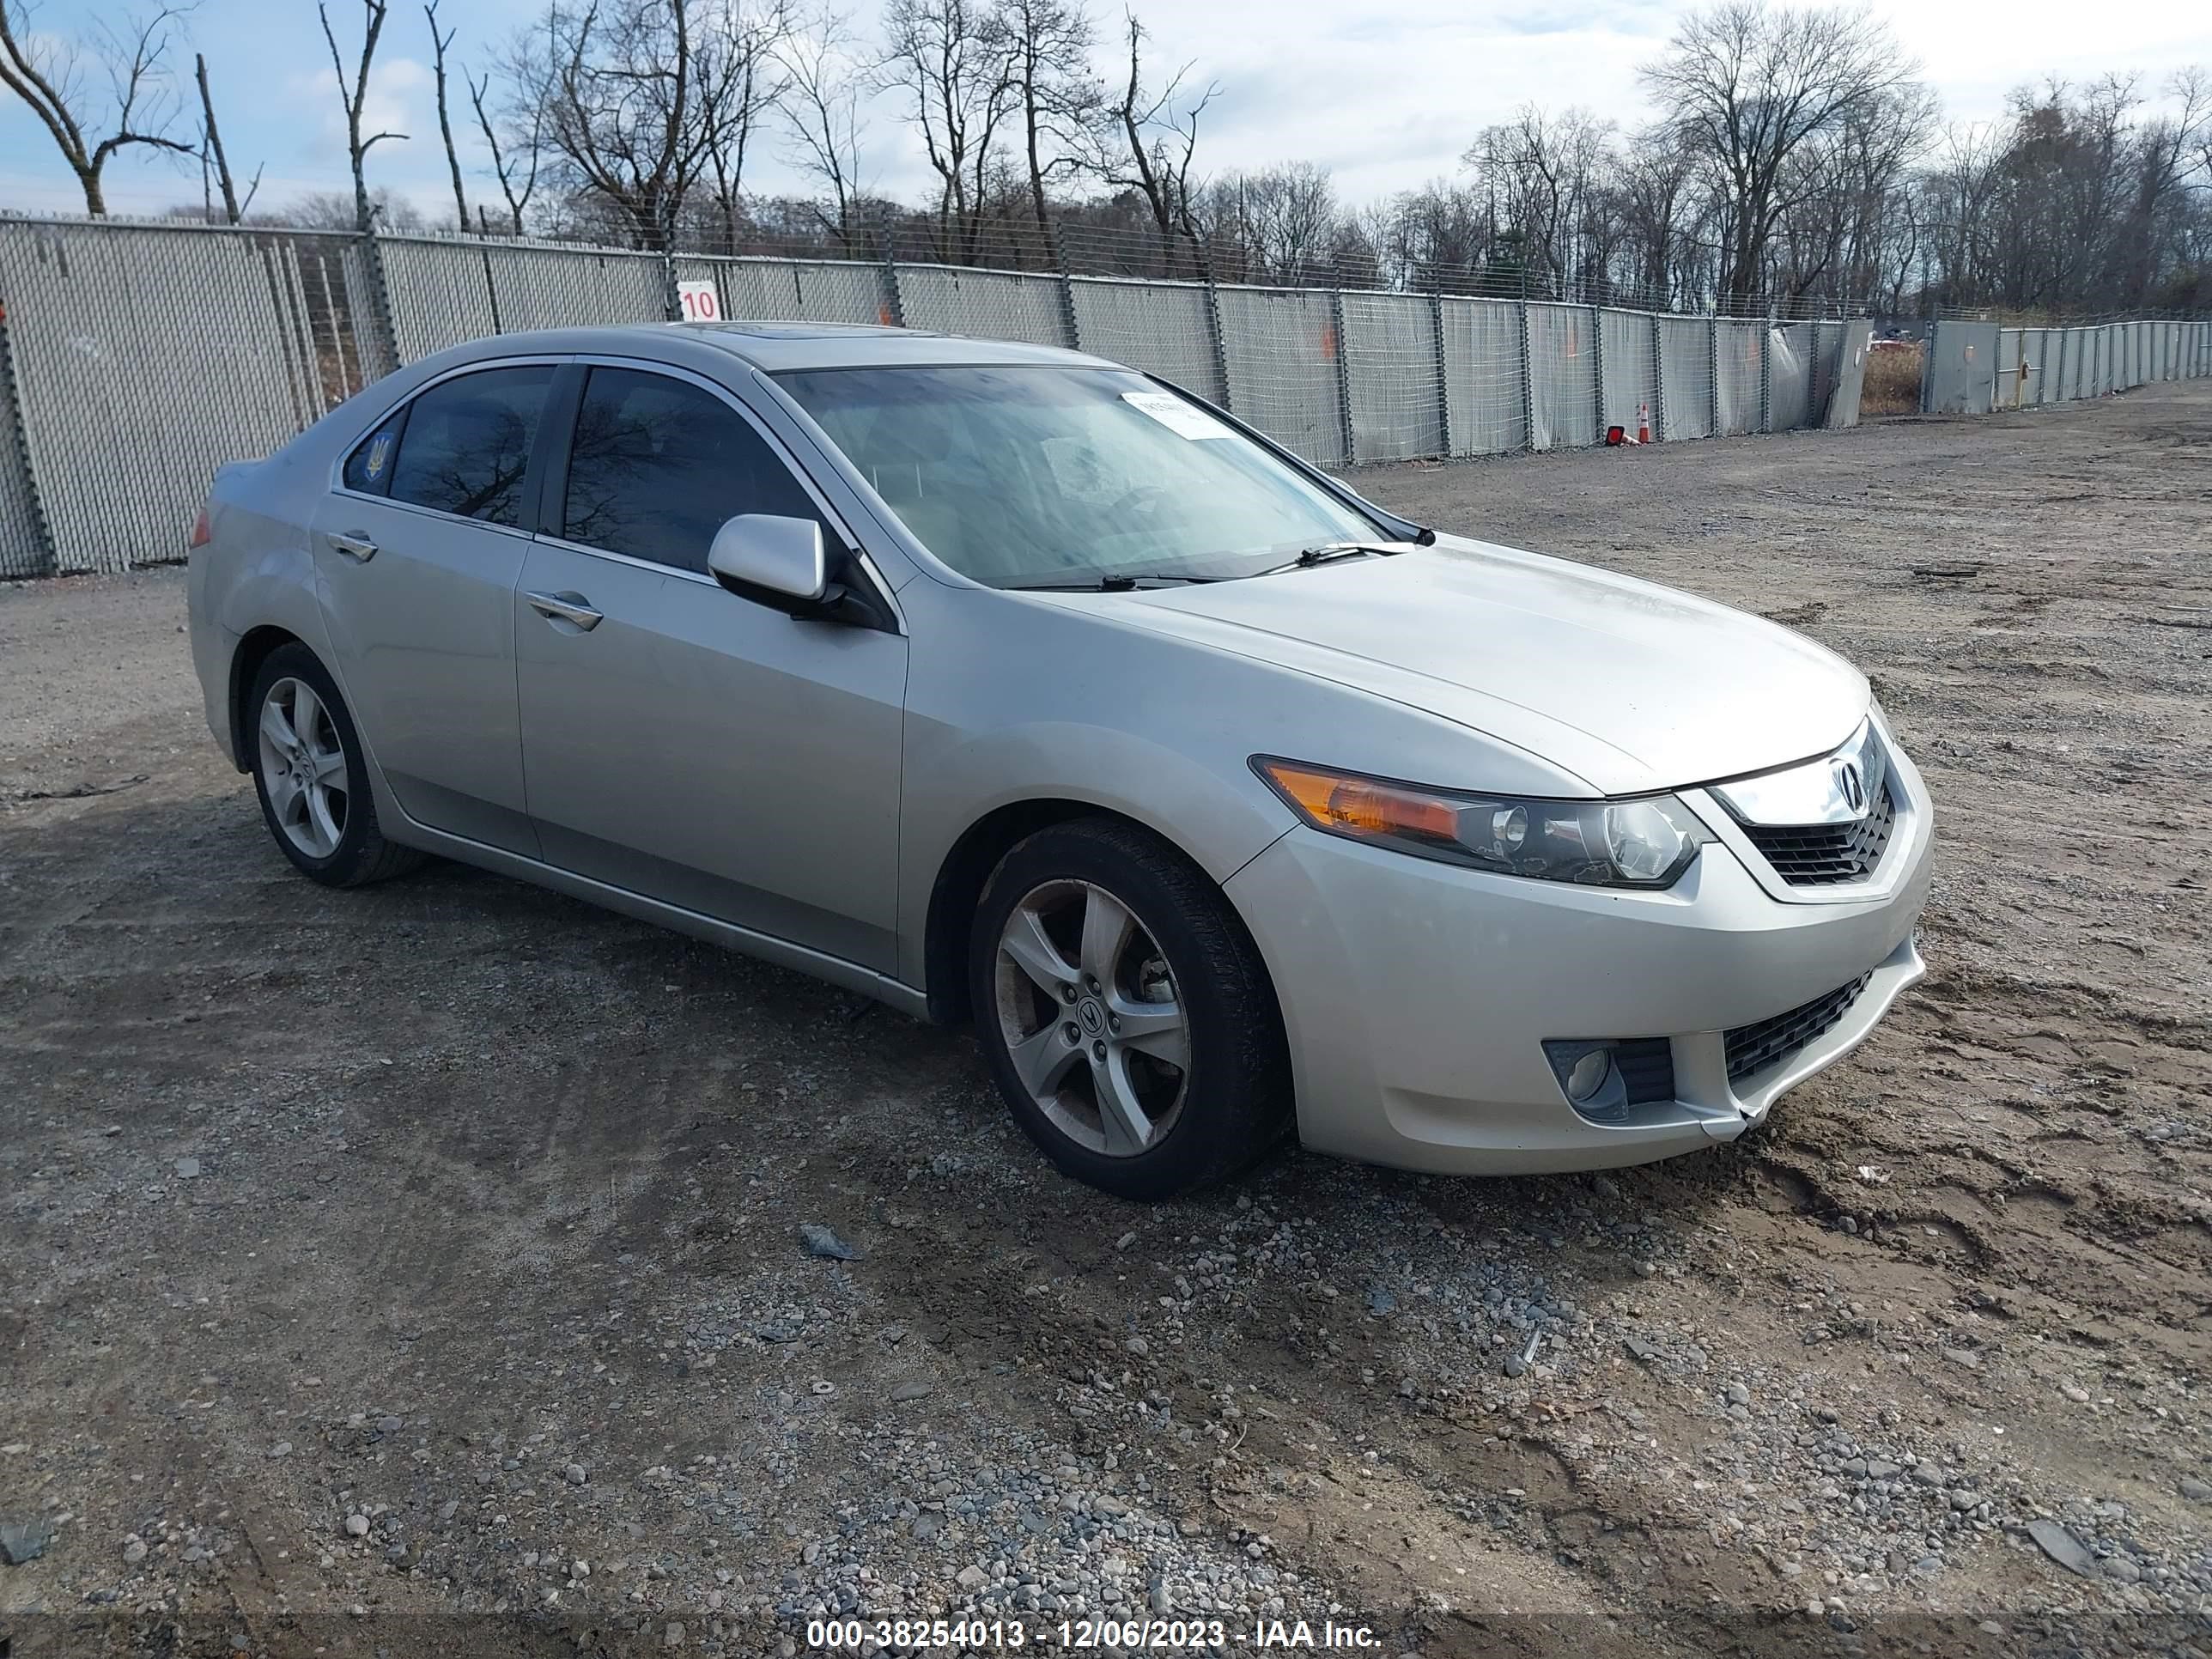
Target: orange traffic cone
x,y
1643,423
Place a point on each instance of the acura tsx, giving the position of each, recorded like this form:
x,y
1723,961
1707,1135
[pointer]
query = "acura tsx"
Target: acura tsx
x,y
1017,688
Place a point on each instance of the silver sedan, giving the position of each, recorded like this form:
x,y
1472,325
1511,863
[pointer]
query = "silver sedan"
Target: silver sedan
x,y
1017,688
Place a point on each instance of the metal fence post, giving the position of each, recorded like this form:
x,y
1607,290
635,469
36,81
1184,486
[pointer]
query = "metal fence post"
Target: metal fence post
x,y
1215,326
1067,289
894,307
1343,374
1928,363
1443,371
1767,375
1527,375
380,290
670,298
42,530
491,287
1658,379
1713,372
1597,372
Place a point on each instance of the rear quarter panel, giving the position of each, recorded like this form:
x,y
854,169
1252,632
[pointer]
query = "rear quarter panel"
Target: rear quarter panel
x,y
258,568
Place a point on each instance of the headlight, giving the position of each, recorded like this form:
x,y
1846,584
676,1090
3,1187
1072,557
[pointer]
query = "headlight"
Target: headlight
x,y
1608,843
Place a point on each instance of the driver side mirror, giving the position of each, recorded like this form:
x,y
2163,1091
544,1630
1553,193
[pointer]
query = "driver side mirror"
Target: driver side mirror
x,y
760,555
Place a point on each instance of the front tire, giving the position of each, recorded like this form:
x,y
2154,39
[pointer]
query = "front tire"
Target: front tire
x,y
1125,1013
313,778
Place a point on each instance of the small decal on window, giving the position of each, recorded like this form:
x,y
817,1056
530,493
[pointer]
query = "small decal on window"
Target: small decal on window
x,y
1178,416
380,452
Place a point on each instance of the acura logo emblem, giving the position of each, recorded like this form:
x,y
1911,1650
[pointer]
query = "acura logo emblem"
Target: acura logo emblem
x,y
1851,784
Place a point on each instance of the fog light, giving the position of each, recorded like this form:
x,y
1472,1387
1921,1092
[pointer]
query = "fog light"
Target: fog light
x,y
1588,1075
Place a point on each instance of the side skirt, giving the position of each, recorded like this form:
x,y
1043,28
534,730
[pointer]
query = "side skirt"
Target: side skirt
x,y
836,971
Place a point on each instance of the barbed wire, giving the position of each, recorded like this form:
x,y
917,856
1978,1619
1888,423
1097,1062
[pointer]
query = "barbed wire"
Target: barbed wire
x,y
1080,248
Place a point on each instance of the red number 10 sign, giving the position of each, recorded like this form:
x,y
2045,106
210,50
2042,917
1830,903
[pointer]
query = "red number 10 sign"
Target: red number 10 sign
x,y
699,301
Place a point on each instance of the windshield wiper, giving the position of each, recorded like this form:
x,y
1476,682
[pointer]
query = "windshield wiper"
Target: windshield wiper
x,y
1326,551
1114,583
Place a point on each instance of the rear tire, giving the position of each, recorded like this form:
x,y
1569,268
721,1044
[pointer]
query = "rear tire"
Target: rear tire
x,y
1125,1013
311,776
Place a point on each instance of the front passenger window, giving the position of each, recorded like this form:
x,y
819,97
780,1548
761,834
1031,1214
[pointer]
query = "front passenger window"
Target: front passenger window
x,y
467,441
658,465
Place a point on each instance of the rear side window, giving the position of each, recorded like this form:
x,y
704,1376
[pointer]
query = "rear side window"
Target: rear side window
x,y
658,465
368,468
466,443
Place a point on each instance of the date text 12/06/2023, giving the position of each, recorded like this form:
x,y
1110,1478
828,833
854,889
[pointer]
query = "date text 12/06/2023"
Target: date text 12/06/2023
x,y
1079,1635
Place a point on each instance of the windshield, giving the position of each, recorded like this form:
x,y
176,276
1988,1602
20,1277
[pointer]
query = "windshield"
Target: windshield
x,y
1044,476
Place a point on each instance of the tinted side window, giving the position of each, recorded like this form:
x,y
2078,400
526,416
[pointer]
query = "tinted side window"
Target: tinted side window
x,y
368,468
467,443
658,465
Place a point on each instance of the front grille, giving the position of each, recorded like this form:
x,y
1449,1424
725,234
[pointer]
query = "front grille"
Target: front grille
x,y
1752,1048
1824,854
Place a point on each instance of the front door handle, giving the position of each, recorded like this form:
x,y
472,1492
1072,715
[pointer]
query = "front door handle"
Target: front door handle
x,y
355,546
565,607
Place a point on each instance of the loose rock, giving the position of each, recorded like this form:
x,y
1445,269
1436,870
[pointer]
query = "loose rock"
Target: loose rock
x,y
820,1241
22,1541
2062,1546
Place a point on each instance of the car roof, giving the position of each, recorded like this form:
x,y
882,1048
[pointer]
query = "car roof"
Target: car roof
x,y
775,346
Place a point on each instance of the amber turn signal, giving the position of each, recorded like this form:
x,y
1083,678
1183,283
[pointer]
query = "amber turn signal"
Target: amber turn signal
x,y
1351,805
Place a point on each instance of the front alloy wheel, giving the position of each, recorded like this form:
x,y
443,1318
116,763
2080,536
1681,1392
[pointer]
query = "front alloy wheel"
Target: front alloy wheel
x,y
1124,1011
1087,1010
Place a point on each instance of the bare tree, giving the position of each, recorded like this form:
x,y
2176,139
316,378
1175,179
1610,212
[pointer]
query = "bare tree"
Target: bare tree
x,y
822,109
336,210
950,60
1547,172
1748,86
742,81
48,73
1147,140
1842,192
355,98
1048,50
2193,86
212,154
1659,220
626,114
439,42
516,140
1280,224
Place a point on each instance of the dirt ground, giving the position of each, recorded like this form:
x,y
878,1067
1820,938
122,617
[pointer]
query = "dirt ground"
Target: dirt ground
x,y
418,1269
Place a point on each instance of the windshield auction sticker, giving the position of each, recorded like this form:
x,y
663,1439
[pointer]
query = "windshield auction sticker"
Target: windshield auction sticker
x,y
1178,416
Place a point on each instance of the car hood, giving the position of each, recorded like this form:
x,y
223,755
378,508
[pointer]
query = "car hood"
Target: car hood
x,y
1626,684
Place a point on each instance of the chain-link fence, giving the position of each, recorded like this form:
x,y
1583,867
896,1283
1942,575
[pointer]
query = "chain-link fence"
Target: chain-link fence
x,y
135,358
1975,367
1486,382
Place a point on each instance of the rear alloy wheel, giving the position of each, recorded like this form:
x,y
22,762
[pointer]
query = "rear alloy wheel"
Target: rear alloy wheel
x,y
1125,1013
303,767
314,782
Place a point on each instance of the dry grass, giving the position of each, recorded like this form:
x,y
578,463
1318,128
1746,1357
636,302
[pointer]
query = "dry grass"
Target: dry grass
x,y
1892,381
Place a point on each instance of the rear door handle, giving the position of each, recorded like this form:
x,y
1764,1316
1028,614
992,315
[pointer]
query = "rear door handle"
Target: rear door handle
x,y
355,546
565,607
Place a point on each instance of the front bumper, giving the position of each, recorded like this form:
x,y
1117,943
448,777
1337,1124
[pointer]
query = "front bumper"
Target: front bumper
x,y
1417,996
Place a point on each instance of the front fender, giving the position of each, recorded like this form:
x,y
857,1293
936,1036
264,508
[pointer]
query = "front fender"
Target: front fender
x,y
1015,698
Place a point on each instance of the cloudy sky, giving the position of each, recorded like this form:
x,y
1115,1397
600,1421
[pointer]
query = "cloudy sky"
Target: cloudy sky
x,y
1385,97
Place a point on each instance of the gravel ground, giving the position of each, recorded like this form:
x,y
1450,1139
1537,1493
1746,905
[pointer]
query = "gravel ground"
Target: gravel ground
x,y
423,1269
